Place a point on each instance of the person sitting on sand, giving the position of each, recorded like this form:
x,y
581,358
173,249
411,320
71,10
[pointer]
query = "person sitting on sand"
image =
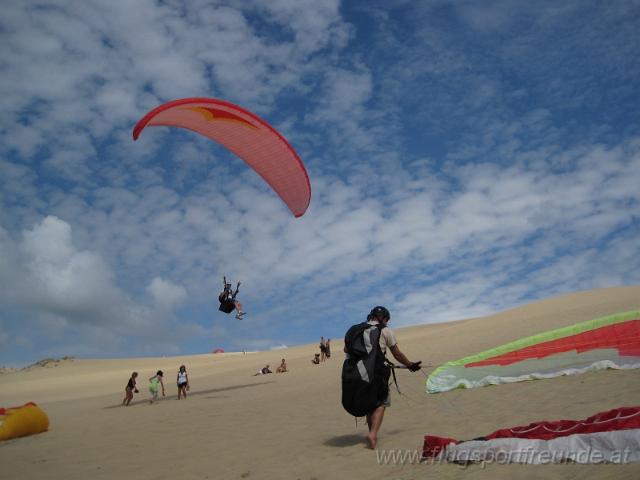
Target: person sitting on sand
x,y
316,359
130,389
282,368
183,382
153,386
263,371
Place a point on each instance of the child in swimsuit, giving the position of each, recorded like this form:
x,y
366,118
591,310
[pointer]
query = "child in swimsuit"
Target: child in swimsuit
x,y
129,389
183,382
283,367
153,386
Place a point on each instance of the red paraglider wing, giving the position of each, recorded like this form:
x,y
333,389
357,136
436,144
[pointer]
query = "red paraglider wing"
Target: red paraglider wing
x,y
245,134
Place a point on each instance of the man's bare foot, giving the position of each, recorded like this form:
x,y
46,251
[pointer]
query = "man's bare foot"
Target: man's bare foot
x,y
371,442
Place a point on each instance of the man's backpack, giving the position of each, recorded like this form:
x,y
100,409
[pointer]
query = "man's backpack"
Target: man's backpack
x,y
227,306
365,374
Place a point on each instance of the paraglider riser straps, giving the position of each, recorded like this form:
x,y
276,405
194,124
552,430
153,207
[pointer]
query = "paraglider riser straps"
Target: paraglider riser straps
x,y
393,367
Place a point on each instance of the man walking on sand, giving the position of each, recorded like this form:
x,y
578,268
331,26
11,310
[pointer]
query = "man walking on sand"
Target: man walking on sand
x,y
381,316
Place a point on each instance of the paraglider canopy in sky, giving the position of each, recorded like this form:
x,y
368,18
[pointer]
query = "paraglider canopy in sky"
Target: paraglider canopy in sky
x,y
245,134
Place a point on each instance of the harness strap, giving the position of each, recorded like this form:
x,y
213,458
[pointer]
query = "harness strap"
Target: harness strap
x,y
393,373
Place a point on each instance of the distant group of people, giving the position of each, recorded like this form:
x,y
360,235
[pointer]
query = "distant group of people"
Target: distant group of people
x,y
155,383
325,349
282,368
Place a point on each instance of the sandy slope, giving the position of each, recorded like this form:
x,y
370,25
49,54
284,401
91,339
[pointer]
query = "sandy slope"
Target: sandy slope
x,y
235,425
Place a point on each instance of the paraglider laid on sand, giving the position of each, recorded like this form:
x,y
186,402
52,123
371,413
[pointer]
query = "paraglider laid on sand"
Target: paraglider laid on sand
x,y
248,136
607,342
612,436
22,421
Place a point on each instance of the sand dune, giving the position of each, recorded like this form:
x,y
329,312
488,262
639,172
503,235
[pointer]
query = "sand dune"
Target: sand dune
x,y
235,425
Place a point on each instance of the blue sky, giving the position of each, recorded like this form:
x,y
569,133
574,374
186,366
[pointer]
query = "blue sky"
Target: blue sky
x,y
464,157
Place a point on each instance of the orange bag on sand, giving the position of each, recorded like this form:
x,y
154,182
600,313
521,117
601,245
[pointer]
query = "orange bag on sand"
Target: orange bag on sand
x,y
22,421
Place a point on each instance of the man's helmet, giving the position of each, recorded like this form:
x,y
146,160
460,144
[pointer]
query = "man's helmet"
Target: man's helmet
x,y
380,313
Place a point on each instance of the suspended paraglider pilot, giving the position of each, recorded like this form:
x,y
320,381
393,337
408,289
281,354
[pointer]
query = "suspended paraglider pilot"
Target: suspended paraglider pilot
x,y
228,302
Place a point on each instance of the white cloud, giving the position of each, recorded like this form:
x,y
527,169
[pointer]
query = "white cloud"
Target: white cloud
x,y
85,67
63,289
46,273
166,294
447,180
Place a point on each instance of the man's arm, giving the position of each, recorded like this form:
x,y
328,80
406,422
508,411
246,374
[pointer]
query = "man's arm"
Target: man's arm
x,y
402,358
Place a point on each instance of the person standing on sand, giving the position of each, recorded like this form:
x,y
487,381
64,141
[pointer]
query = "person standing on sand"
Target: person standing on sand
x,y
183,382
381,316
153,386
130,389
327,348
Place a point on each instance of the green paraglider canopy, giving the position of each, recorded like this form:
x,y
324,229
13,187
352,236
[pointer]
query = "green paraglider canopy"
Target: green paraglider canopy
x,y
607,342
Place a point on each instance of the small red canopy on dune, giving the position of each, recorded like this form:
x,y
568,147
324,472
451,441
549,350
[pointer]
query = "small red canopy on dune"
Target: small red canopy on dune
x,y
218,350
